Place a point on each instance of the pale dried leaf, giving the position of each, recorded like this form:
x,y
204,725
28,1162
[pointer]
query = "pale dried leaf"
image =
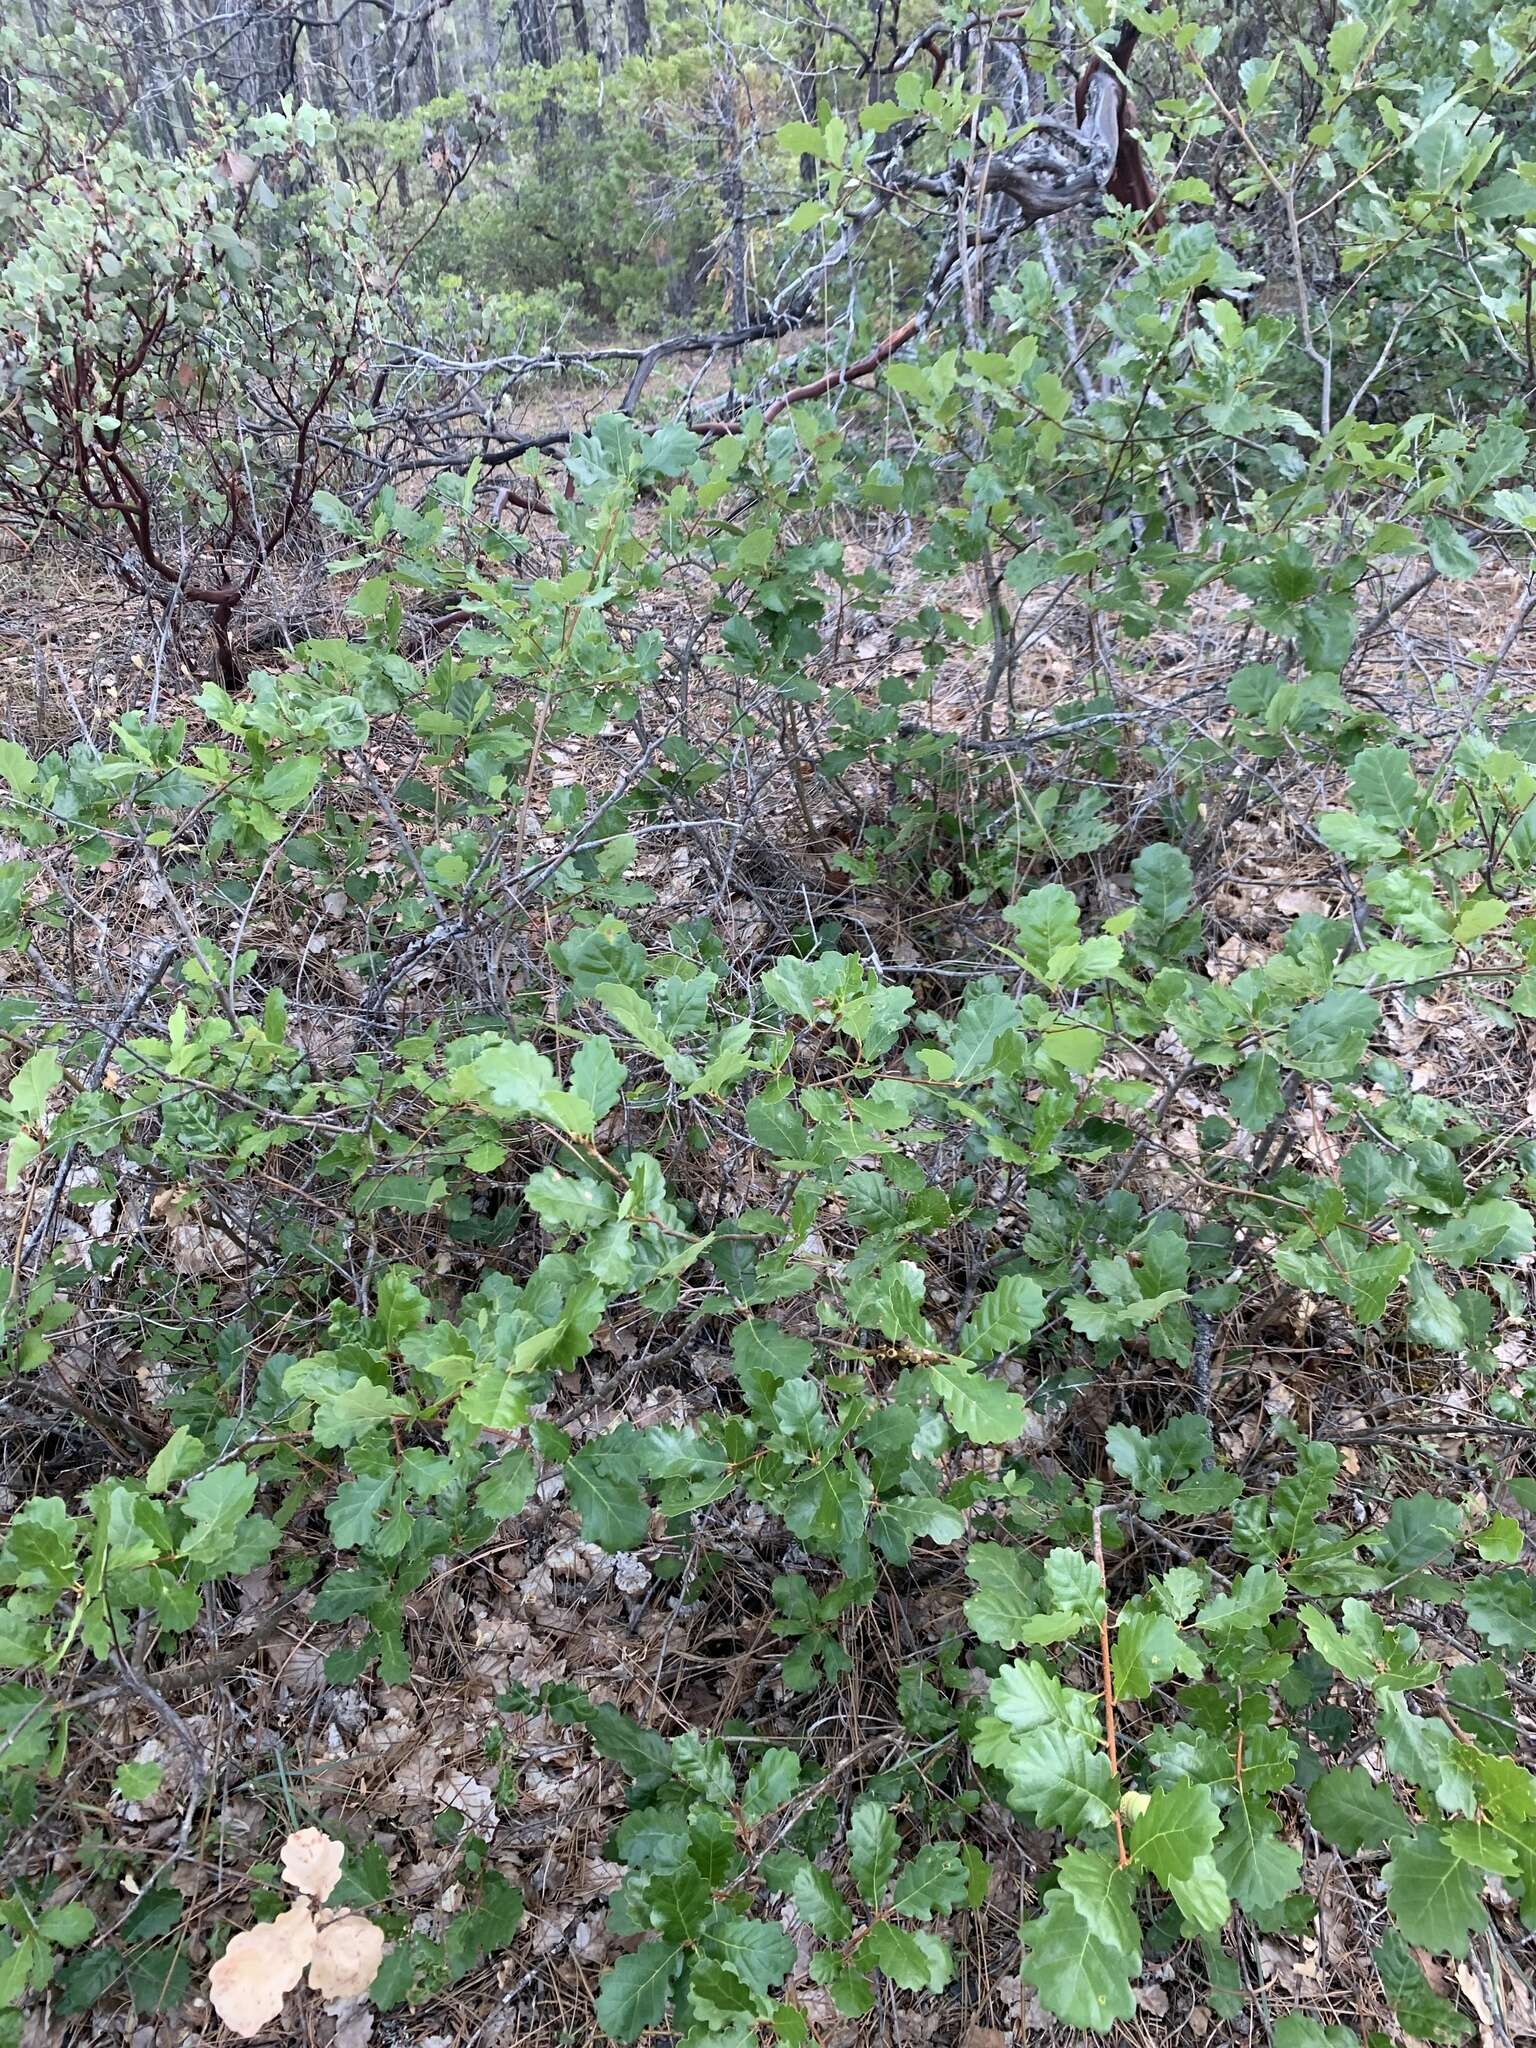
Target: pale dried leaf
x,y
1505,2009
354,2029
248,1983
239,169
1296,902
461,1793
348,1952
312,1863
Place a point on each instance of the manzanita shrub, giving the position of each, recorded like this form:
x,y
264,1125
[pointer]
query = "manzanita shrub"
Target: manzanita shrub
x,y
191,335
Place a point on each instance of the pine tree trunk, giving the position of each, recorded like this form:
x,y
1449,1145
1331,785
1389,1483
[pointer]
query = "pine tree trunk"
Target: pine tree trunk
x,y
537,36
162,97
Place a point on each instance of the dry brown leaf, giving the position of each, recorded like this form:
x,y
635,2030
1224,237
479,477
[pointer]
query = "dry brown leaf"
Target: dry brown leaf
x,y
1504,2007
356,2030
312,1863
1294,902
460,1793
248,1983
348,1952
238,168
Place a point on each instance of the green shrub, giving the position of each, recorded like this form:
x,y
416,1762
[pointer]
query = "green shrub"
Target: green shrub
x,y
906,1172
189,333
881,1427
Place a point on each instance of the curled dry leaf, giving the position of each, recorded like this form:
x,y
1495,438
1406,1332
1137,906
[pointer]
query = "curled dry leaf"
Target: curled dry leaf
x,y
348,1951
248,1983
312,1863
238,168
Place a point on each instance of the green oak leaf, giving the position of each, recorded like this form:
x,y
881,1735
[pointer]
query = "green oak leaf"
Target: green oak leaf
x,y
1502,1608
1025,1695
1045,920
1420,1530
1178,1826
1299,2030
605,1491
981,1410
1349,1809
633,1994
1081,1978
1005,1319
1435,1899
1256,1596
934,1881
729,2007
871,1849
1427,1754
678,1901
1252,1091
1385,787
1148,1649
1105,1895
759,1952
1165,882
771,1783
1495,1229
1422,2013
1007,1596
821,1905
1061,1782
597,1079
913,1960
1202,1897
1259,1868
1327,1038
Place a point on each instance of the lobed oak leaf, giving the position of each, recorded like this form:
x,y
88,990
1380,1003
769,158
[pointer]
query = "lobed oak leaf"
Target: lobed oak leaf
x,y
312,1863
348,1952
248,1983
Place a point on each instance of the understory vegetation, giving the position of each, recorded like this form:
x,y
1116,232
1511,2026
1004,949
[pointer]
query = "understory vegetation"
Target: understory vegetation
x,y
766,1024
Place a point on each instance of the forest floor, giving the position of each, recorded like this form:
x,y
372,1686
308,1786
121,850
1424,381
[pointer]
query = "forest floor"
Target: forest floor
x,y
386,1762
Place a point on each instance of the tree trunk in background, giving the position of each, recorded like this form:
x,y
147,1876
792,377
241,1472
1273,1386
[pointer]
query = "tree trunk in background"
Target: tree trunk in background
x,y
610,47
490,35
378,58
357,70
163,105
272,56
637,22
538,41
579,27
537,36
397,63
807,86
375,58
323,77
733,200
425,66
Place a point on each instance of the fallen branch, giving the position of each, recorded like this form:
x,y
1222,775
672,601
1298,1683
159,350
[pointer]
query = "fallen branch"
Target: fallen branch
x,y
1059,162
833,380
